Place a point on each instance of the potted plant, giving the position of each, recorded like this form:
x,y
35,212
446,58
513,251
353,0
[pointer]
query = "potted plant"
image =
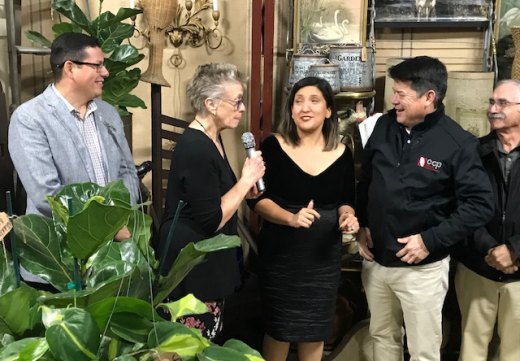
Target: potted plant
x,y
105,309
110,30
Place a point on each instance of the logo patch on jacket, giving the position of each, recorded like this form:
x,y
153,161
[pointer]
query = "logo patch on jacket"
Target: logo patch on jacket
x,y
429,164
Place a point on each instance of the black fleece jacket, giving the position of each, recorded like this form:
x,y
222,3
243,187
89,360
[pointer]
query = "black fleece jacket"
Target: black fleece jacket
x,y
504,227
429,182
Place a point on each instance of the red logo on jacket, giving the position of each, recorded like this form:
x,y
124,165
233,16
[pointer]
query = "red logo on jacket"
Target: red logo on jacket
x,y
430,164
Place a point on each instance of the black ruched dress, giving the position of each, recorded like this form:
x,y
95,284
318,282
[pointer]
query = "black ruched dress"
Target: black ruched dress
x,y
300,268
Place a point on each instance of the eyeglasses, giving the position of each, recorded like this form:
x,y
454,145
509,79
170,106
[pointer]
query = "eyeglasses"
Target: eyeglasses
x,y
97,66
501,103
235,103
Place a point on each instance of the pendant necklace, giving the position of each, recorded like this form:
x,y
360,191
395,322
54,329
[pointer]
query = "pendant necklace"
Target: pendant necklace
x,y
217,143
202,125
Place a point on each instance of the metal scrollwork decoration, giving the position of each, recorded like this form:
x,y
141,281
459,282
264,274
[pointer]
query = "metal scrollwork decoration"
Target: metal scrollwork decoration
x,y
182,25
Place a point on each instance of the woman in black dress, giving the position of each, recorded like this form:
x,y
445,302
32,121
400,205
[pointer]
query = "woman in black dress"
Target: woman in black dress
x,y
201,176
306,206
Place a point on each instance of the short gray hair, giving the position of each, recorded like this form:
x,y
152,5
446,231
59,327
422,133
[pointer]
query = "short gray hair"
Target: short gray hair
x,y
209,82
509,81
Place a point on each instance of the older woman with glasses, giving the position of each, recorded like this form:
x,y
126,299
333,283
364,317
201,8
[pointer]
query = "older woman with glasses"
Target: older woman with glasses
x,y
200,176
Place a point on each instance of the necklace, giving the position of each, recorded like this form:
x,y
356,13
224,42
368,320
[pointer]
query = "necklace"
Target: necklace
x,y
215,141
202,125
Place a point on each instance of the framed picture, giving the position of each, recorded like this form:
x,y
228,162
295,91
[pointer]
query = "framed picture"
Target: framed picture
x,y
329,21
431,10
508,15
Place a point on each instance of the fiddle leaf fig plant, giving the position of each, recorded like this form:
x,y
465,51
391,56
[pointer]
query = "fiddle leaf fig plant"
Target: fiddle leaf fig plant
x,y
111,31
113,317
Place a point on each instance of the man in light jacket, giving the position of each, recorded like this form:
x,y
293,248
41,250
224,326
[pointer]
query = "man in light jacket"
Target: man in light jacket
x,y
67,134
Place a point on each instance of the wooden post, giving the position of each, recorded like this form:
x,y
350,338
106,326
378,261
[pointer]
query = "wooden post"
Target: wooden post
x,y
157,194
262,96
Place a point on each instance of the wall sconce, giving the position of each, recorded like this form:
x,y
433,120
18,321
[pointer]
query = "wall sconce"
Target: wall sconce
x,y
181,26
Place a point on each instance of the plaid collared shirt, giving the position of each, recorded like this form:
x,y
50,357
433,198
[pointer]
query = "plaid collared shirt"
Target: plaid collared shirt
x,y
87,127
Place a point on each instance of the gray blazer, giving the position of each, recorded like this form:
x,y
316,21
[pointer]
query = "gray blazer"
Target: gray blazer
x,y
48,150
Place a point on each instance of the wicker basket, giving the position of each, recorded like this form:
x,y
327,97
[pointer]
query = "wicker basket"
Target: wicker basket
x,y
158,14
515,70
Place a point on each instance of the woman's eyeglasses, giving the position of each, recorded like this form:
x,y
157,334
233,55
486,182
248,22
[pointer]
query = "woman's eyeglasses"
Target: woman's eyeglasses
x,y
235,103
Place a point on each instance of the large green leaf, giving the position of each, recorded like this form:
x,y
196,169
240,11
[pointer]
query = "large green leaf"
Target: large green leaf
x,y
244,349
188,305
190,256
40,249
60,213
36,350
125,358
69,9
12,351
174,337
130,100
112,36
124,55
88,296
6,339
119,258
219,353
72,334
140,225
116,90
78,194
114,193
130,283
102,310
130,327
38,38
95,225
61,28
17,310
116,349
122,14
108,262
121,83
7,275
111,31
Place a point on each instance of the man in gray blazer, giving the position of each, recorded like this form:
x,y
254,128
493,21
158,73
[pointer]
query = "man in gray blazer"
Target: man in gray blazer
x,y
67,134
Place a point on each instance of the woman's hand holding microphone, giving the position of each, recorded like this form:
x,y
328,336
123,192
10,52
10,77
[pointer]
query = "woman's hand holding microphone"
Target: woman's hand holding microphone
x,y
253,170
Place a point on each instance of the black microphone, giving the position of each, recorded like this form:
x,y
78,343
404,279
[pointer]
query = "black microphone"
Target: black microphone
x,y
249,144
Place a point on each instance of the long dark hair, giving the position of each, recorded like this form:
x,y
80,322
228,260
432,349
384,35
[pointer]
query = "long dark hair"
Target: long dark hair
x,y
287,127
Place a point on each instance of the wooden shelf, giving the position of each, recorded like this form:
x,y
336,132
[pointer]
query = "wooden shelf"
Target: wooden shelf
x,y
455,23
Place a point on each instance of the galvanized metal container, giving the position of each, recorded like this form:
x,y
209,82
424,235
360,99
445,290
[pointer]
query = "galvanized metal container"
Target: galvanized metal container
x,y
329,72
301,64
356,74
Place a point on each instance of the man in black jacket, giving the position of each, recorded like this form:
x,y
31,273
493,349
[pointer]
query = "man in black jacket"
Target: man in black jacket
x,y
488,280
422,190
